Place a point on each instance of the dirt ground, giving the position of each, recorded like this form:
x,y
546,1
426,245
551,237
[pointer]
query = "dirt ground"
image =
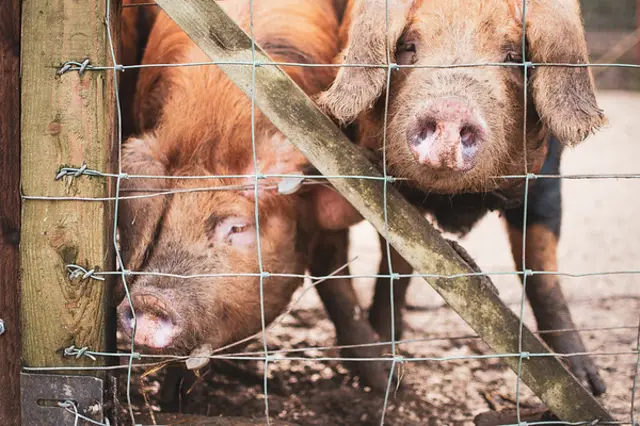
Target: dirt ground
x,y
601,233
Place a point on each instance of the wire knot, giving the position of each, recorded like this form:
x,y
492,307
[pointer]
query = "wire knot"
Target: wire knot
x,y
390,179
399,359
529,64
525,355
81,67
265,274
77,172
71,407
78,352
531,176
528,272
394,67
394,276
76,271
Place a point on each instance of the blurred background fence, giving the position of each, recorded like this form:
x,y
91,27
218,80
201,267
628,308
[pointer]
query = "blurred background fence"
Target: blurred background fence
x,y
613,36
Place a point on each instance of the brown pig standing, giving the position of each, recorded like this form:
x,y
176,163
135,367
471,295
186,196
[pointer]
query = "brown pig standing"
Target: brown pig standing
x,y
453,129
195,253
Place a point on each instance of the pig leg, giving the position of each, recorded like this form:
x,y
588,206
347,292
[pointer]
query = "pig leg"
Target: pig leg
x,y
380,311
341,302
543,291
176,383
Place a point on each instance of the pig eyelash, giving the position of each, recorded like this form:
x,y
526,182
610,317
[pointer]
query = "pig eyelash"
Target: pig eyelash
x,y
235,229
513,57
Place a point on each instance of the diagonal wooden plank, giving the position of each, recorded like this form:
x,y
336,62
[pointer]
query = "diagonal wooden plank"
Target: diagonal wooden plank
x,y
291,111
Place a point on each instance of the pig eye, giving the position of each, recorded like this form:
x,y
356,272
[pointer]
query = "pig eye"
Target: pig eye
x,y
513,57
235,231
406,53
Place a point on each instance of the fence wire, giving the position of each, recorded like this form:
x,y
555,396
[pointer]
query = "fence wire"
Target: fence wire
x,y
137,359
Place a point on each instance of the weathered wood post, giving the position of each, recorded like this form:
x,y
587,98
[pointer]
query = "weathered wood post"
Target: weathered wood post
x,y
68,120
9,212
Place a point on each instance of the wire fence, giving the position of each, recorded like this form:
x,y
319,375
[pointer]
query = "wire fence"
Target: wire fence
x,y
135,359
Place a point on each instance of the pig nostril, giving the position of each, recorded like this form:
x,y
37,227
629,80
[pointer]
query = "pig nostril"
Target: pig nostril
x,y
428,129
467,136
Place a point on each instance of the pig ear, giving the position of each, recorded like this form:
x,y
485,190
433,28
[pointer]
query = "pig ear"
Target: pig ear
x,y
139,218
564,96
356,89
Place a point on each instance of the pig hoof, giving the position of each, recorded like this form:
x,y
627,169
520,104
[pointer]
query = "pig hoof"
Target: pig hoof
x,y
374,374
587,373
360,335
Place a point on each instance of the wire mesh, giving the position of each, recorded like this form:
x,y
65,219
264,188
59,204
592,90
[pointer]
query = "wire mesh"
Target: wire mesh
x,y
261,182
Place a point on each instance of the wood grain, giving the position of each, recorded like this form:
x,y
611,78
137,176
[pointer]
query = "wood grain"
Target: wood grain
x,y
409,232
10,211
67,120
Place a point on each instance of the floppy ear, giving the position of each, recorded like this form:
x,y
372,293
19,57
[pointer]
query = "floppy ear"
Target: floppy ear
x,y
564,96
139,218
357,88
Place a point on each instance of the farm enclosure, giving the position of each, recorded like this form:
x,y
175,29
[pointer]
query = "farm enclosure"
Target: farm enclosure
x,y
334,376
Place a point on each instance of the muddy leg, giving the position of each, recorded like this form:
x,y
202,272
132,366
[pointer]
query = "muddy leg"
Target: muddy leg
x,y
173,392
543,291
380,311
341,302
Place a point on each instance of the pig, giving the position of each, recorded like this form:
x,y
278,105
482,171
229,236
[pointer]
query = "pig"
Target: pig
x,y
193,121
452,131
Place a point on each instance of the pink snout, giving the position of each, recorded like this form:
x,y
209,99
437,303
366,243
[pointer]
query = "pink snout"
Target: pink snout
x,y
446,136
155,321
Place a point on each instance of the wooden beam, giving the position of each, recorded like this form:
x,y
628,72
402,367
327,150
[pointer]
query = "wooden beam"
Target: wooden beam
x,y
291,111
9,212
67,120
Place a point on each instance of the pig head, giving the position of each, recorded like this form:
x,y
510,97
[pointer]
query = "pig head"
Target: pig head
x,y
451,127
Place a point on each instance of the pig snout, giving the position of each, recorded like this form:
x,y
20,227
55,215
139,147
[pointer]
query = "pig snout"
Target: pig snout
x,y
446,136
155,321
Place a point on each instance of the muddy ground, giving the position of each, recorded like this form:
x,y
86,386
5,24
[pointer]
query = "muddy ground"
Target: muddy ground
x,y
601,233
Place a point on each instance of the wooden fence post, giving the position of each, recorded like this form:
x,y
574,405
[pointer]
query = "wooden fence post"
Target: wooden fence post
x,y
9,212
68,120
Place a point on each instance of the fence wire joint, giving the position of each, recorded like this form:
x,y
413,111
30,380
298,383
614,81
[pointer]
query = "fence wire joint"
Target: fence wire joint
x,y
78,352
77,172
76,271
81,67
